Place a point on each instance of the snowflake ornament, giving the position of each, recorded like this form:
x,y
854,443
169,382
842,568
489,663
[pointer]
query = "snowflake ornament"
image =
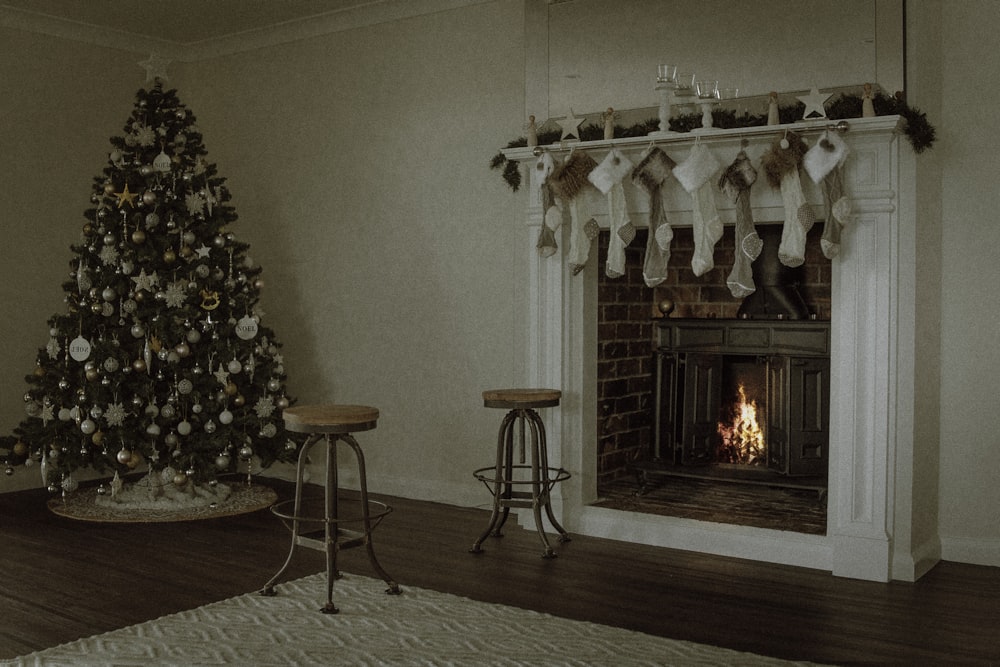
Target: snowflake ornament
x,y
145,135
108,255
115,414
176,294
264,407
53,348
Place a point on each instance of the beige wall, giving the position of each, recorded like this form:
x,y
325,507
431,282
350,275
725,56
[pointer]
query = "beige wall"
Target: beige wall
x,y
358,164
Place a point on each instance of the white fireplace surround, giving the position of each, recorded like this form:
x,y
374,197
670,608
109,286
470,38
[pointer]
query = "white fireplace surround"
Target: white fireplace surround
x,y
872,521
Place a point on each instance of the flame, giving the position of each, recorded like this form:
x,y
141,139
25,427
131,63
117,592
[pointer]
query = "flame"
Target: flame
x,y
742,440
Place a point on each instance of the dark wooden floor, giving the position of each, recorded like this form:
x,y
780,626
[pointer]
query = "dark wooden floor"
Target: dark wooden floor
x,y
63,579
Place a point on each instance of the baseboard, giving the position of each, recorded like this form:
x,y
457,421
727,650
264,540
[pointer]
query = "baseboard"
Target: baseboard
x,y
972,551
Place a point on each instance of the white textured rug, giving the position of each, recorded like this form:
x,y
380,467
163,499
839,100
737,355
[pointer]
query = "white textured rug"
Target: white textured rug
x,y
419,627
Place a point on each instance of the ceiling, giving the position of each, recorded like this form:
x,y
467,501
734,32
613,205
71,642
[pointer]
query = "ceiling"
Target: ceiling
x,y
183,22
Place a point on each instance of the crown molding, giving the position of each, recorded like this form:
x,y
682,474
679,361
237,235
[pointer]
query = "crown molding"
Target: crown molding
x,y
371,13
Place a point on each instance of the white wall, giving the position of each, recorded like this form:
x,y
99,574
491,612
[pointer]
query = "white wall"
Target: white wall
x,y
358,163
970,305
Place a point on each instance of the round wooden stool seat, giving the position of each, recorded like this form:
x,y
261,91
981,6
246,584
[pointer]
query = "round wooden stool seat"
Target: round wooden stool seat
x,y
512,399
330,418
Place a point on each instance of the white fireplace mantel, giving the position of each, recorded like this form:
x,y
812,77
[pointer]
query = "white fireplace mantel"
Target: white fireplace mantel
x,y
873,530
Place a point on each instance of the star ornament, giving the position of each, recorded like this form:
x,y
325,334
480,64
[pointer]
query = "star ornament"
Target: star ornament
x,y
814,102
570,126
156,67
126,197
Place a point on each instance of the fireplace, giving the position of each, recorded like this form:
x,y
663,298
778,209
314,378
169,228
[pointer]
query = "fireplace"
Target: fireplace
x,y
744,393
876,469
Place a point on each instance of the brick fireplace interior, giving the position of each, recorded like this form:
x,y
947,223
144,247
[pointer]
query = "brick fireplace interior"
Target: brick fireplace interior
x,y
627,336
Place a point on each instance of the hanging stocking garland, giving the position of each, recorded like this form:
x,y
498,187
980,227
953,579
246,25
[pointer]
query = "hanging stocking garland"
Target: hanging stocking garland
x,y
694,174
824,163
736,181
781,164
568,180
607,177
551,214
651,174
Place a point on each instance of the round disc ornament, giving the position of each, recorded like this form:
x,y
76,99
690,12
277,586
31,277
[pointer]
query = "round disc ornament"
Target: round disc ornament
x,y
246,328
79,349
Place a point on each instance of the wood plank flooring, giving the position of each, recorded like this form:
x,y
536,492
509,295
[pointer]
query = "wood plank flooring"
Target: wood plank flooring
x,y
63,579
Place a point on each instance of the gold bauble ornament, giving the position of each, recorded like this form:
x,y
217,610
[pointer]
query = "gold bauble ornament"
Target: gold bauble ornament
x,y
92,374
139,365
138,237
169,256
97,438
20,449
231,389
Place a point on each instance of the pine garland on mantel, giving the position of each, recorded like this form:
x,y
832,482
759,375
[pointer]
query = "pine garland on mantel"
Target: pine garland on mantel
x,y
919,131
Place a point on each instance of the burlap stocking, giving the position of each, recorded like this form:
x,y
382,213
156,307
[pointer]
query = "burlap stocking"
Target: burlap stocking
x,y
824,163
781,164
567,181
736,181
607,177
651,174
695,174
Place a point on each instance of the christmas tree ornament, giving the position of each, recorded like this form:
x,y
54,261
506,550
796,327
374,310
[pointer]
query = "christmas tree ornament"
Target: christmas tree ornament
x,y
652,174
695,175
781,166
736,181
607,177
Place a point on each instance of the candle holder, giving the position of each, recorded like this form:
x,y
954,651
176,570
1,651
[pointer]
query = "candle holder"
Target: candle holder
x,y
670,85
708,97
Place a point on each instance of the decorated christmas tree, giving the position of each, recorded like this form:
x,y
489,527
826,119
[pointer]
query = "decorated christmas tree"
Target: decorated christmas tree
x,y
160,362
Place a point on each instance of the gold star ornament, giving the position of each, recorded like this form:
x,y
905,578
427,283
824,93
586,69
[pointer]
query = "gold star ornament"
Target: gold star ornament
x,y
126,197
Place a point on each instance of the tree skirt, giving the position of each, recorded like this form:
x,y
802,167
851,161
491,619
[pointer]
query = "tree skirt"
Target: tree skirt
x,y
89,505
420,627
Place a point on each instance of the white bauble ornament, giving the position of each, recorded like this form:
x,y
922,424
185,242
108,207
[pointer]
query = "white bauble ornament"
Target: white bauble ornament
x,y
184,427
225,417
88,426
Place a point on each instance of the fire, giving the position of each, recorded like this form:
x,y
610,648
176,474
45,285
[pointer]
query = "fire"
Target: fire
x,y
742,440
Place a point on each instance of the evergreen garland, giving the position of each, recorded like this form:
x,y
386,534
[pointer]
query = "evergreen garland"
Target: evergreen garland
x,y
919,131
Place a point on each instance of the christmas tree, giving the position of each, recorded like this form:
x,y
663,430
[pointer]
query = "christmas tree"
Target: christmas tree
x,y
160,361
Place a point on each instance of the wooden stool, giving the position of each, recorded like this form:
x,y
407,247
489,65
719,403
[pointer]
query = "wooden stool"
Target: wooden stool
x,y
500,479
331,423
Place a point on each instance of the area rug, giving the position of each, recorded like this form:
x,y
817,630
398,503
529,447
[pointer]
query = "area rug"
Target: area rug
x,y
419,627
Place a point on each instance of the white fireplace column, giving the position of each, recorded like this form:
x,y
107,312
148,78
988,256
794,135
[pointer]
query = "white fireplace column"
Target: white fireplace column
x,y
872,394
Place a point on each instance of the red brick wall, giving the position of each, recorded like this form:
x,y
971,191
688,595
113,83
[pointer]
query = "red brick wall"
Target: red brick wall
x,y
626,334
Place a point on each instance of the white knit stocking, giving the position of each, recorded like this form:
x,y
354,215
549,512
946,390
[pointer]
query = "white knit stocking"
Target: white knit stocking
x,y
695,174
799,219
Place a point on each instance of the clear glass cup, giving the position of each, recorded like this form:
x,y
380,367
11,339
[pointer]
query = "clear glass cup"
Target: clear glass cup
x,y
666,73
707,89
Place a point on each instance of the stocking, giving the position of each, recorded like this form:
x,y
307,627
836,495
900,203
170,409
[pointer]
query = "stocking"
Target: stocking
x,y
552,216
838,209
694,174
824,163
651,174
607,177
781,164
568,180
736,181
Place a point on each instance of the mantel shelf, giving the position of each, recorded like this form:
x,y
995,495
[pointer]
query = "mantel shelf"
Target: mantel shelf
x,y
856,126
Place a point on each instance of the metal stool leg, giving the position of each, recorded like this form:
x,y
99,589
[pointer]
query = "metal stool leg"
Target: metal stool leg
x,y
502,489
330,515
366,517
547,484
268,589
